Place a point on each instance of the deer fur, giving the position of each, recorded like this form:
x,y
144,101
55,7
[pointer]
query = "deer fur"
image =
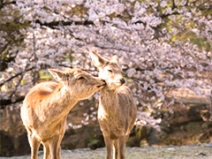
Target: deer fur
x,y
47,104
117,111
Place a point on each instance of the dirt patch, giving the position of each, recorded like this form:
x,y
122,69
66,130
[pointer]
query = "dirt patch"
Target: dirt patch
x,y
203,151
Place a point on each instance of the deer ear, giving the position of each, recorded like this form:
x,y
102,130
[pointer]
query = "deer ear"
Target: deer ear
x,y
97,60
115,59
58,75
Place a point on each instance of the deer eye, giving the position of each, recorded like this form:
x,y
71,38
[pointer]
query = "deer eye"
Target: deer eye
x,y
110,70
80,78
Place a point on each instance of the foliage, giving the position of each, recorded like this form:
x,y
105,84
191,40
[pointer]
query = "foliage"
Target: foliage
x,y
162,45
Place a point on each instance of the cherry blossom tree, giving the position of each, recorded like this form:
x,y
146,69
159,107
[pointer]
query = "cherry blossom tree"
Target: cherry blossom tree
x,y
162,45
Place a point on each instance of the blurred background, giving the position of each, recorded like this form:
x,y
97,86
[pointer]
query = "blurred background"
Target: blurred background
x,y
164,48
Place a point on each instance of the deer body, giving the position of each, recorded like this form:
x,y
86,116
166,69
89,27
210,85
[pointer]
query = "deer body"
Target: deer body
x,y
117,111
46,106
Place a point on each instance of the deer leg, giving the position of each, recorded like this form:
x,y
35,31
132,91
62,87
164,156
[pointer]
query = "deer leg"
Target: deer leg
x,y
122,143
116,149
34,144
46,151
54,151
58,150
109,147
55,147
56,140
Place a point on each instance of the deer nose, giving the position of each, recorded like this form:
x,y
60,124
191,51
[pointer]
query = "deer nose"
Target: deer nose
x,y
122,81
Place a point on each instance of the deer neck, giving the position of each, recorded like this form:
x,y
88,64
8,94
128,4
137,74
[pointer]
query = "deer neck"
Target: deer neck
x,y
107,98
63,101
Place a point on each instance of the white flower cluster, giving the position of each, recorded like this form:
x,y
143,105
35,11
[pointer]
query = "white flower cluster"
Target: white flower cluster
x,y
153,63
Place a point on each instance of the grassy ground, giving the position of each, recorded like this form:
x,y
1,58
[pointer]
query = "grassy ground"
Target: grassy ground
x,y
203,151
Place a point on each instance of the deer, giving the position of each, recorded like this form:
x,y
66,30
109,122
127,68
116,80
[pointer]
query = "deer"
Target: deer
x,y
47,105
117,111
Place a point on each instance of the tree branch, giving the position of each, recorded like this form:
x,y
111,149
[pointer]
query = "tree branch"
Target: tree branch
x,y
64,23
5,102
16,75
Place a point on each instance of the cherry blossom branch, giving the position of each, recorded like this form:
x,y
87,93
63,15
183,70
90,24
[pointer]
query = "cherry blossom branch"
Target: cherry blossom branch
x,y
16,75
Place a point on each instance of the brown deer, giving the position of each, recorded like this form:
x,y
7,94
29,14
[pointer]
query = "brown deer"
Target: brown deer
x,y
117,111
47,104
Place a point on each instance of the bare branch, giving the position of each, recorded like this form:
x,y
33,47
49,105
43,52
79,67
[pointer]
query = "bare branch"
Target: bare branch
x,y
6,102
